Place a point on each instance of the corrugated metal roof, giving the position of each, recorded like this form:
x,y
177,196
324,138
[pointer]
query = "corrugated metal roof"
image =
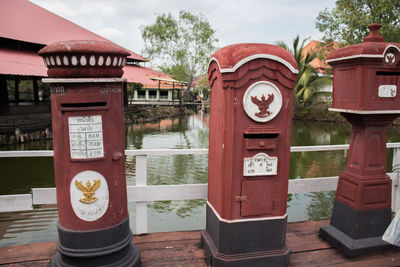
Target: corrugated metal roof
x,y
149,77
24,21
21,63
14,62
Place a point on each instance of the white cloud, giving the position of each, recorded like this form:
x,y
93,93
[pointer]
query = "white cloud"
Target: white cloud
x,y
235,21
110,33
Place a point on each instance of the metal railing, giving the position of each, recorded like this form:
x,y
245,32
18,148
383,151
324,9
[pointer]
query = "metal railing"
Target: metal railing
x,y
142,193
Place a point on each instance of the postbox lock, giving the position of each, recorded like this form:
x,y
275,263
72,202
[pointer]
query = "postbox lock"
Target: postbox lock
x,y
116,156
240,198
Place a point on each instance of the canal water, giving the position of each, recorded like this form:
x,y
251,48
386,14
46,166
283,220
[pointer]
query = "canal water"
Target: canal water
x,y
19,175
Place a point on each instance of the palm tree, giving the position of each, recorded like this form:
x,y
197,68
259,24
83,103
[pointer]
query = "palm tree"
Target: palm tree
x,y
308,84
309,80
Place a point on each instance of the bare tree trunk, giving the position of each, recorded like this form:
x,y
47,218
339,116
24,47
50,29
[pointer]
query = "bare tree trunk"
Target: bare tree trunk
x,y
182,96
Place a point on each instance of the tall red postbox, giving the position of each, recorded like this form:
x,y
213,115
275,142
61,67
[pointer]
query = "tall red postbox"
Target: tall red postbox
x,y
366,80
89,159
249,154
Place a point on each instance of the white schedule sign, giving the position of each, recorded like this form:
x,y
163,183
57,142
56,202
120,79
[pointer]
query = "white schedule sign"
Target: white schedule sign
x,y
86,137
259,165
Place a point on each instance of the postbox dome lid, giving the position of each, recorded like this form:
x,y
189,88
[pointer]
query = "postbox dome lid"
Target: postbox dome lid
x,y
373,46
84,58
231,57
83,46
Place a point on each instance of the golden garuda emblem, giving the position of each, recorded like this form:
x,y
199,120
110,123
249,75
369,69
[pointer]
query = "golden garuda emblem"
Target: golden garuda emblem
x,y
88,190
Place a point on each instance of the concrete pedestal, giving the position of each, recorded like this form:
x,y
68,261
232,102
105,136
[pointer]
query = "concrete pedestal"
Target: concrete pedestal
x,y
245,243
362,210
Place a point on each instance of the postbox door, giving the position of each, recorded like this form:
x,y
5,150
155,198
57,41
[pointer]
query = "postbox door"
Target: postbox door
x,y
257,197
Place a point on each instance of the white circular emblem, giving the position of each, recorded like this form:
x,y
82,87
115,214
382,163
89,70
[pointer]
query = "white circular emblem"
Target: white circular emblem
x,y
262,101
390,58
89,195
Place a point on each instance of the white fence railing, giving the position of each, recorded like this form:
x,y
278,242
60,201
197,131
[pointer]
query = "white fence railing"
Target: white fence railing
x,y
143,193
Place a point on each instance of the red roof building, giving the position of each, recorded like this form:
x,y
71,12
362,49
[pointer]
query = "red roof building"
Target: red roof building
x,y
315,46
25,28
24,21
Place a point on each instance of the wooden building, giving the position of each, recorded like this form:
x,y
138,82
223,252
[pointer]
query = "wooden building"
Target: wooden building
x,y
148,86
25,28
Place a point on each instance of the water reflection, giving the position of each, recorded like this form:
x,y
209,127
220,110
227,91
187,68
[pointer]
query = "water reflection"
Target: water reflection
x,y
19,175
29,226
321,205
181,208
318,164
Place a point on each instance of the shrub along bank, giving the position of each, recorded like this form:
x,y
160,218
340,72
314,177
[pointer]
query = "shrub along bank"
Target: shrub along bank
x,y
320,112
151,114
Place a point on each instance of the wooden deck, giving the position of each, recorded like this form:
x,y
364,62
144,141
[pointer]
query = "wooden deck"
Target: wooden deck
x,y
183,249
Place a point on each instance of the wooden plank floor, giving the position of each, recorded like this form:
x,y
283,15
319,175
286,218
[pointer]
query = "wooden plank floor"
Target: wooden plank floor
x,y
183,249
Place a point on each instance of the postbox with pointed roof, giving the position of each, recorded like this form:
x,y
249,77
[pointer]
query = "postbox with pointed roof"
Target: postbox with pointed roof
x,y
366,76
366,81
250,133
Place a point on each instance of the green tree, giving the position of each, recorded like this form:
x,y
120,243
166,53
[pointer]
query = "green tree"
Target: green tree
x,y
203,86
131,90
183,45
308,81
348,21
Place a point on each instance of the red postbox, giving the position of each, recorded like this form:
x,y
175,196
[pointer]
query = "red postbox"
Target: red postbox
x,y
366,78
249,153
88,142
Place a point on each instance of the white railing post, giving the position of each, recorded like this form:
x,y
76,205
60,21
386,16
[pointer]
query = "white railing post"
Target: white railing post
x,y
142,193
396,180
16,202
141,206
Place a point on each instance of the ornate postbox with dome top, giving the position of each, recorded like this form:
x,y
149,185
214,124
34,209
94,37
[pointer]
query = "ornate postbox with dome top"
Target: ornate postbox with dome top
x,y
89,159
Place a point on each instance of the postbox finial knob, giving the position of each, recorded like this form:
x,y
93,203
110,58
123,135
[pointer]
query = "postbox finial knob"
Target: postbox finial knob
x,y
374,35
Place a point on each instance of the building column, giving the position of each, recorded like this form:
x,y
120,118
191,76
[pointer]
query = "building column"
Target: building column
x,y
35,91
125,93
4,102
16,91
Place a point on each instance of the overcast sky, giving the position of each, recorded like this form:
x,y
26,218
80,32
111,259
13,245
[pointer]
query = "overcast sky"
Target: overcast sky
x,y
262,21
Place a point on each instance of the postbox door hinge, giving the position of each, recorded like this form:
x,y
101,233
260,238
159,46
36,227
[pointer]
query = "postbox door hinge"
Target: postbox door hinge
x,y
240,198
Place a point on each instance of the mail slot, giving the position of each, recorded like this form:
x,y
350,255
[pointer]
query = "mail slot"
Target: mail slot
x,y
366,85
249,153
260,140
89,159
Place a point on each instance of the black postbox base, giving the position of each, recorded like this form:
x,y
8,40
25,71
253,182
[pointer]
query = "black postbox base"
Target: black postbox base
x,y
106,247
357,232
245,243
